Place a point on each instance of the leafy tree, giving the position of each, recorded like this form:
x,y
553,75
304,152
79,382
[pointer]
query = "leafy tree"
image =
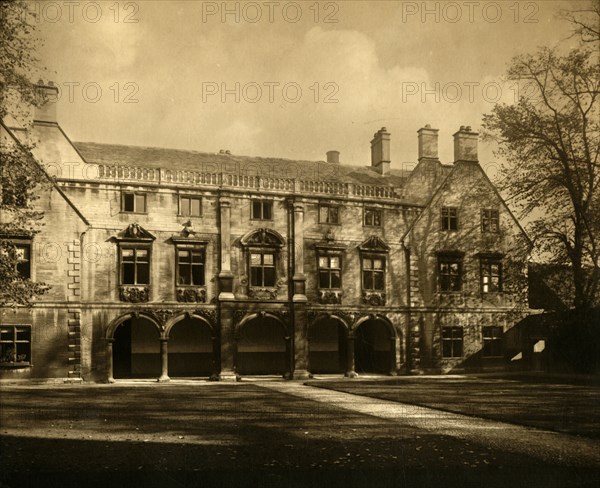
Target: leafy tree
x,y
550,141
21,177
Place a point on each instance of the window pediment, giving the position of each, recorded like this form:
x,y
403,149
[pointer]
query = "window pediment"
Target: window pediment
x,y
374,244
262,238
135,232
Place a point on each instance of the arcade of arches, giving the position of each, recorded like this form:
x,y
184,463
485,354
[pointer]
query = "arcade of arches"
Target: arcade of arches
x,y
138,348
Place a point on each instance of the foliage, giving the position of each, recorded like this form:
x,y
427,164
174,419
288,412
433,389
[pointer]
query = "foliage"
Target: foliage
x,y
550,140
21,177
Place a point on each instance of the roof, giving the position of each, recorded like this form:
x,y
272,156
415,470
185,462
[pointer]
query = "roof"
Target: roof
x,y
186,160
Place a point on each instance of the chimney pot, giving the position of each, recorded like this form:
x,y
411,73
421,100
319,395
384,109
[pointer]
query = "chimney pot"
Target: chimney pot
x,y
380,151
333,157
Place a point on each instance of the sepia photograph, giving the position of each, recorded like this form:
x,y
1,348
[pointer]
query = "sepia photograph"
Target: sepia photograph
x,y
291,244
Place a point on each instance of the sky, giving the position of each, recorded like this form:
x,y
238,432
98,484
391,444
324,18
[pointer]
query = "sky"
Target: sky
x,y
286,79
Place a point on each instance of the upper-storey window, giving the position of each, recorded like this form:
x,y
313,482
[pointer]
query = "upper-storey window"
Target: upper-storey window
x,y
190,206
133,202
20,255
491,275
262,210
262,269
449,272
449,218
329,214
490,220
373,272
190,266
330,272
372,217
135,265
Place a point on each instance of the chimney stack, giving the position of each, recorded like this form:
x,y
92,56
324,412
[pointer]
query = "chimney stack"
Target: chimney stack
x,y
333,157
428,143
465,145
46,95
380,151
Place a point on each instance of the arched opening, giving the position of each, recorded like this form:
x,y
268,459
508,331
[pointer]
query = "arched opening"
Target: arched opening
x,y
328,346
261,347
191,349
136,349
374,347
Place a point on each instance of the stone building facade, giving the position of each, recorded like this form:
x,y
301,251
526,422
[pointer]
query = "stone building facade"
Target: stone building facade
x,y
166,263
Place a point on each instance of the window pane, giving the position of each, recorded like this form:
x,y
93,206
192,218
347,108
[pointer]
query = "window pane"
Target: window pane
x,y
184,274
323,262
127,254
198,256
323,214
128,202
128,273
142,254
335,279
140,203
256,210
184,256
268,259
335,262
334,215
378,263
324,279
23,352
368,280
255,259
198,274
195,210
24,269
267,210
184,206
143,277
269,274
367,263
379,281
256,276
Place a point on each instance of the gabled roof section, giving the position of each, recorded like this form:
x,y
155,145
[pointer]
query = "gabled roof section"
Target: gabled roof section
x,y
28,154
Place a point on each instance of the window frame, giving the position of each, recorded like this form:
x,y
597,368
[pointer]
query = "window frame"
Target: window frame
x,y
262,266
329,207
135,194
447,259
191,249
453,340
447,219
492,339
329,270
485,264
27,245
373,271
490,216
15,341
262,203
374,212
135,247
190,198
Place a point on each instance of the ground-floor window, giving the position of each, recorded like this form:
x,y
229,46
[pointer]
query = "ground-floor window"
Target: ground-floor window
x,y
492,341
15,345
452,342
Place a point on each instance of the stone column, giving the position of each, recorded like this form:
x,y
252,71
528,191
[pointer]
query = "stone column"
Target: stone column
x,y
109,360
350,373
228,372
225,274
164,360
393,370
299,366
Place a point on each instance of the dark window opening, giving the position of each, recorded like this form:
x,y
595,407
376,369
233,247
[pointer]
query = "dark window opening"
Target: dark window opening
x,y
490,221
15,344
492,341
449,273
262,269
329,214
262,210
330,272
135,266
373,217
452,342
373,273
449,218
133,202
491,275
190,266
